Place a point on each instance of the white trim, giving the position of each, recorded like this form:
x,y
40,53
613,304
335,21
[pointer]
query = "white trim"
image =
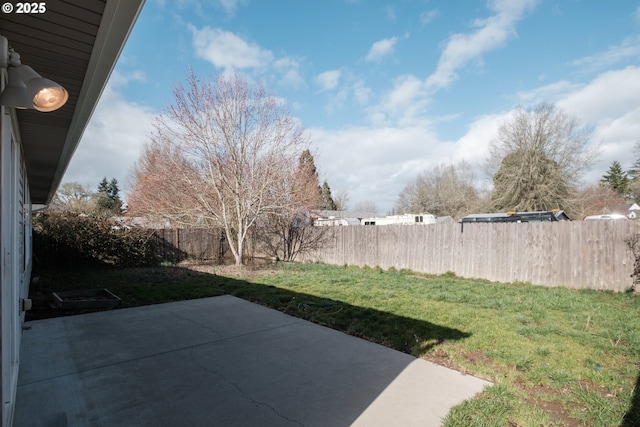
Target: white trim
x,y
116,24
15,255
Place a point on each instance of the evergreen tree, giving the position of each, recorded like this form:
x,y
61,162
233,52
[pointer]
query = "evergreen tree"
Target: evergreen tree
x,y
307,168
634,176
327,199
108,196
307,162
103,187
634,173
616,179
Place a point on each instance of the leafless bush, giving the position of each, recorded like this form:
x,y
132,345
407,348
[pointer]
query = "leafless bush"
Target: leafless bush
x,y
633,243
285,239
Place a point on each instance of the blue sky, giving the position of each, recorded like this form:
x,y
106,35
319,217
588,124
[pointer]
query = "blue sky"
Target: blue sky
x,y
385,90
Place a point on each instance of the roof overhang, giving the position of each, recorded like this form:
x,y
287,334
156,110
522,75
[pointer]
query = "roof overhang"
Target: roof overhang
x,y
75,43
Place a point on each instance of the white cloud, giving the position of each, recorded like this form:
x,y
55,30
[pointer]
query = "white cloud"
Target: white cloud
x,y
405,90
428,17
289,69
229,51
473,146
375,163
607,96
328,80
113,140
355,91
230,6
405,103
548,93
629,49
492,33
202,8
610,103
118,80
391,14
362,93
380,49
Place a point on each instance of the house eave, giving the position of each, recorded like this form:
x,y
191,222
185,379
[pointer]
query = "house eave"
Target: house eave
x,y
75,43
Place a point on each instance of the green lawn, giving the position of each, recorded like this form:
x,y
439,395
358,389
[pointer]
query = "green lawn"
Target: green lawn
x,y
558,357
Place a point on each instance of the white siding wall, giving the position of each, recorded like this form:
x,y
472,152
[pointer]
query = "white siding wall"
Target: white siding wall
x,y
15,239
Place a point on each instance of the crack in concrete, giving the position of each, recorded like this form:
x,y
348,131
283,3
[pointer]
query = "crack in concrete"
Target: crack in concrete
x,y
242,392
186,319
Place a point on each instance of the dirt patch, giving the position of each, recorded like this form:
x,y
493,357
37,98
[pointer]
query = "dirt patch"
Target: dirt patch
x,y
542,397
548,400
259,267
439,357
478,358
234,271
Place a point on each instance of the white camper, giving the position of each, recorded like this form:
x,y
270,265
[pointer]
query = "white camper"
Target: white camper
x,y
422,218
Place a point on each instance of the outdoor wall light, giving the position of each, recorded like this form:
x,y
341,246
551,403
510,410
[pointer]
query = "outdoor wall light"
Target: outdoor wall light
x,y
27,89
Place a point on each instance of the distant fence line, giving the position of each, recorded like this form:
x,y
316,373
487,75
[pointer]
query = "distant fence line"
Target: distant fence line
x,y
576,254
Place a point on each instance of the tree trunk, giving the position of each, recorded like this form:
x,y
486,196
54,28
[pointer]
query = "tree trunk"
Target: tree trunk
x,y
240,250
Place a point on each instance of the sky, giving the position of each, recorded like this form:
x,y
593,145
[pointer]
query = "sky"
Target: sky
x,y
385,90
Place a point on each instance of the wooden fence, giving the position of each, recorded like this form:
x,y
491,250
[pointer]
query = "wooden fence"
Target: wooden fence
x,y
178,244
577,254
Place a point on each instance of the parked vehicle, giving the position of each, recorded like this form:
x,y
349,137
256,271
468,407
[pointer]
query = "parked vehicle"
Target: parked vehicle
x,y
536,216
606,217
401,219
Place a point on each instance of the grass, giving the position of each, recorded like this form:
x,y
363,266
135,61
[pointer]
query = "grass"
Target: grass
x,y
557,357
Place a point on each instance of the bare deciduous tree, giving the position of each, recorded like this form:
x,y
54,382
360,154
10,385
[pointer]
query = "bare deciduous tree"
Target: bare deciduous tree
x,y
341,199
595,199
529,181
366,206
75,197
538,158
158,192
229,151
290,233
443,190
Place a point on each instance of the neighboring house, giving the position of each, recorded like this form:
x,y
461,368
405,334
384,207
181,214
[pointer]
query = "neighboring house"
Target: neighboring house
x,y
75,43
631,210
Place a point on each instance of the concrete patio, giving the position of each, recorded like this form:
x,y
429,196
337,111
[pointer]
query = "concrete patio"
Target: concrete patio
x,y
222,361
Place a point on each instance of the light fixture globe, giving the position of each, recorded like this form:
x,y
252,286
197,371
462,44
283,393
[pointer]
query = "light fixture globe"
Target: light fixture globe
x,y
46,95
27,89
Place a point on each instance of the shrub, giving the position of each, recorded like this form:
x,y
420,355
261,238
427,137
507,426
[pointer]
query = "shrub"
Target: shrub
x,y
62,238
633,243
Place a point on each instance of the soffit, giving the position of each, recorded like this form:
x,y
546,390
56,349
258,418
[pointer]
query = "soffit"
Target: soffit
x,y
75,43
